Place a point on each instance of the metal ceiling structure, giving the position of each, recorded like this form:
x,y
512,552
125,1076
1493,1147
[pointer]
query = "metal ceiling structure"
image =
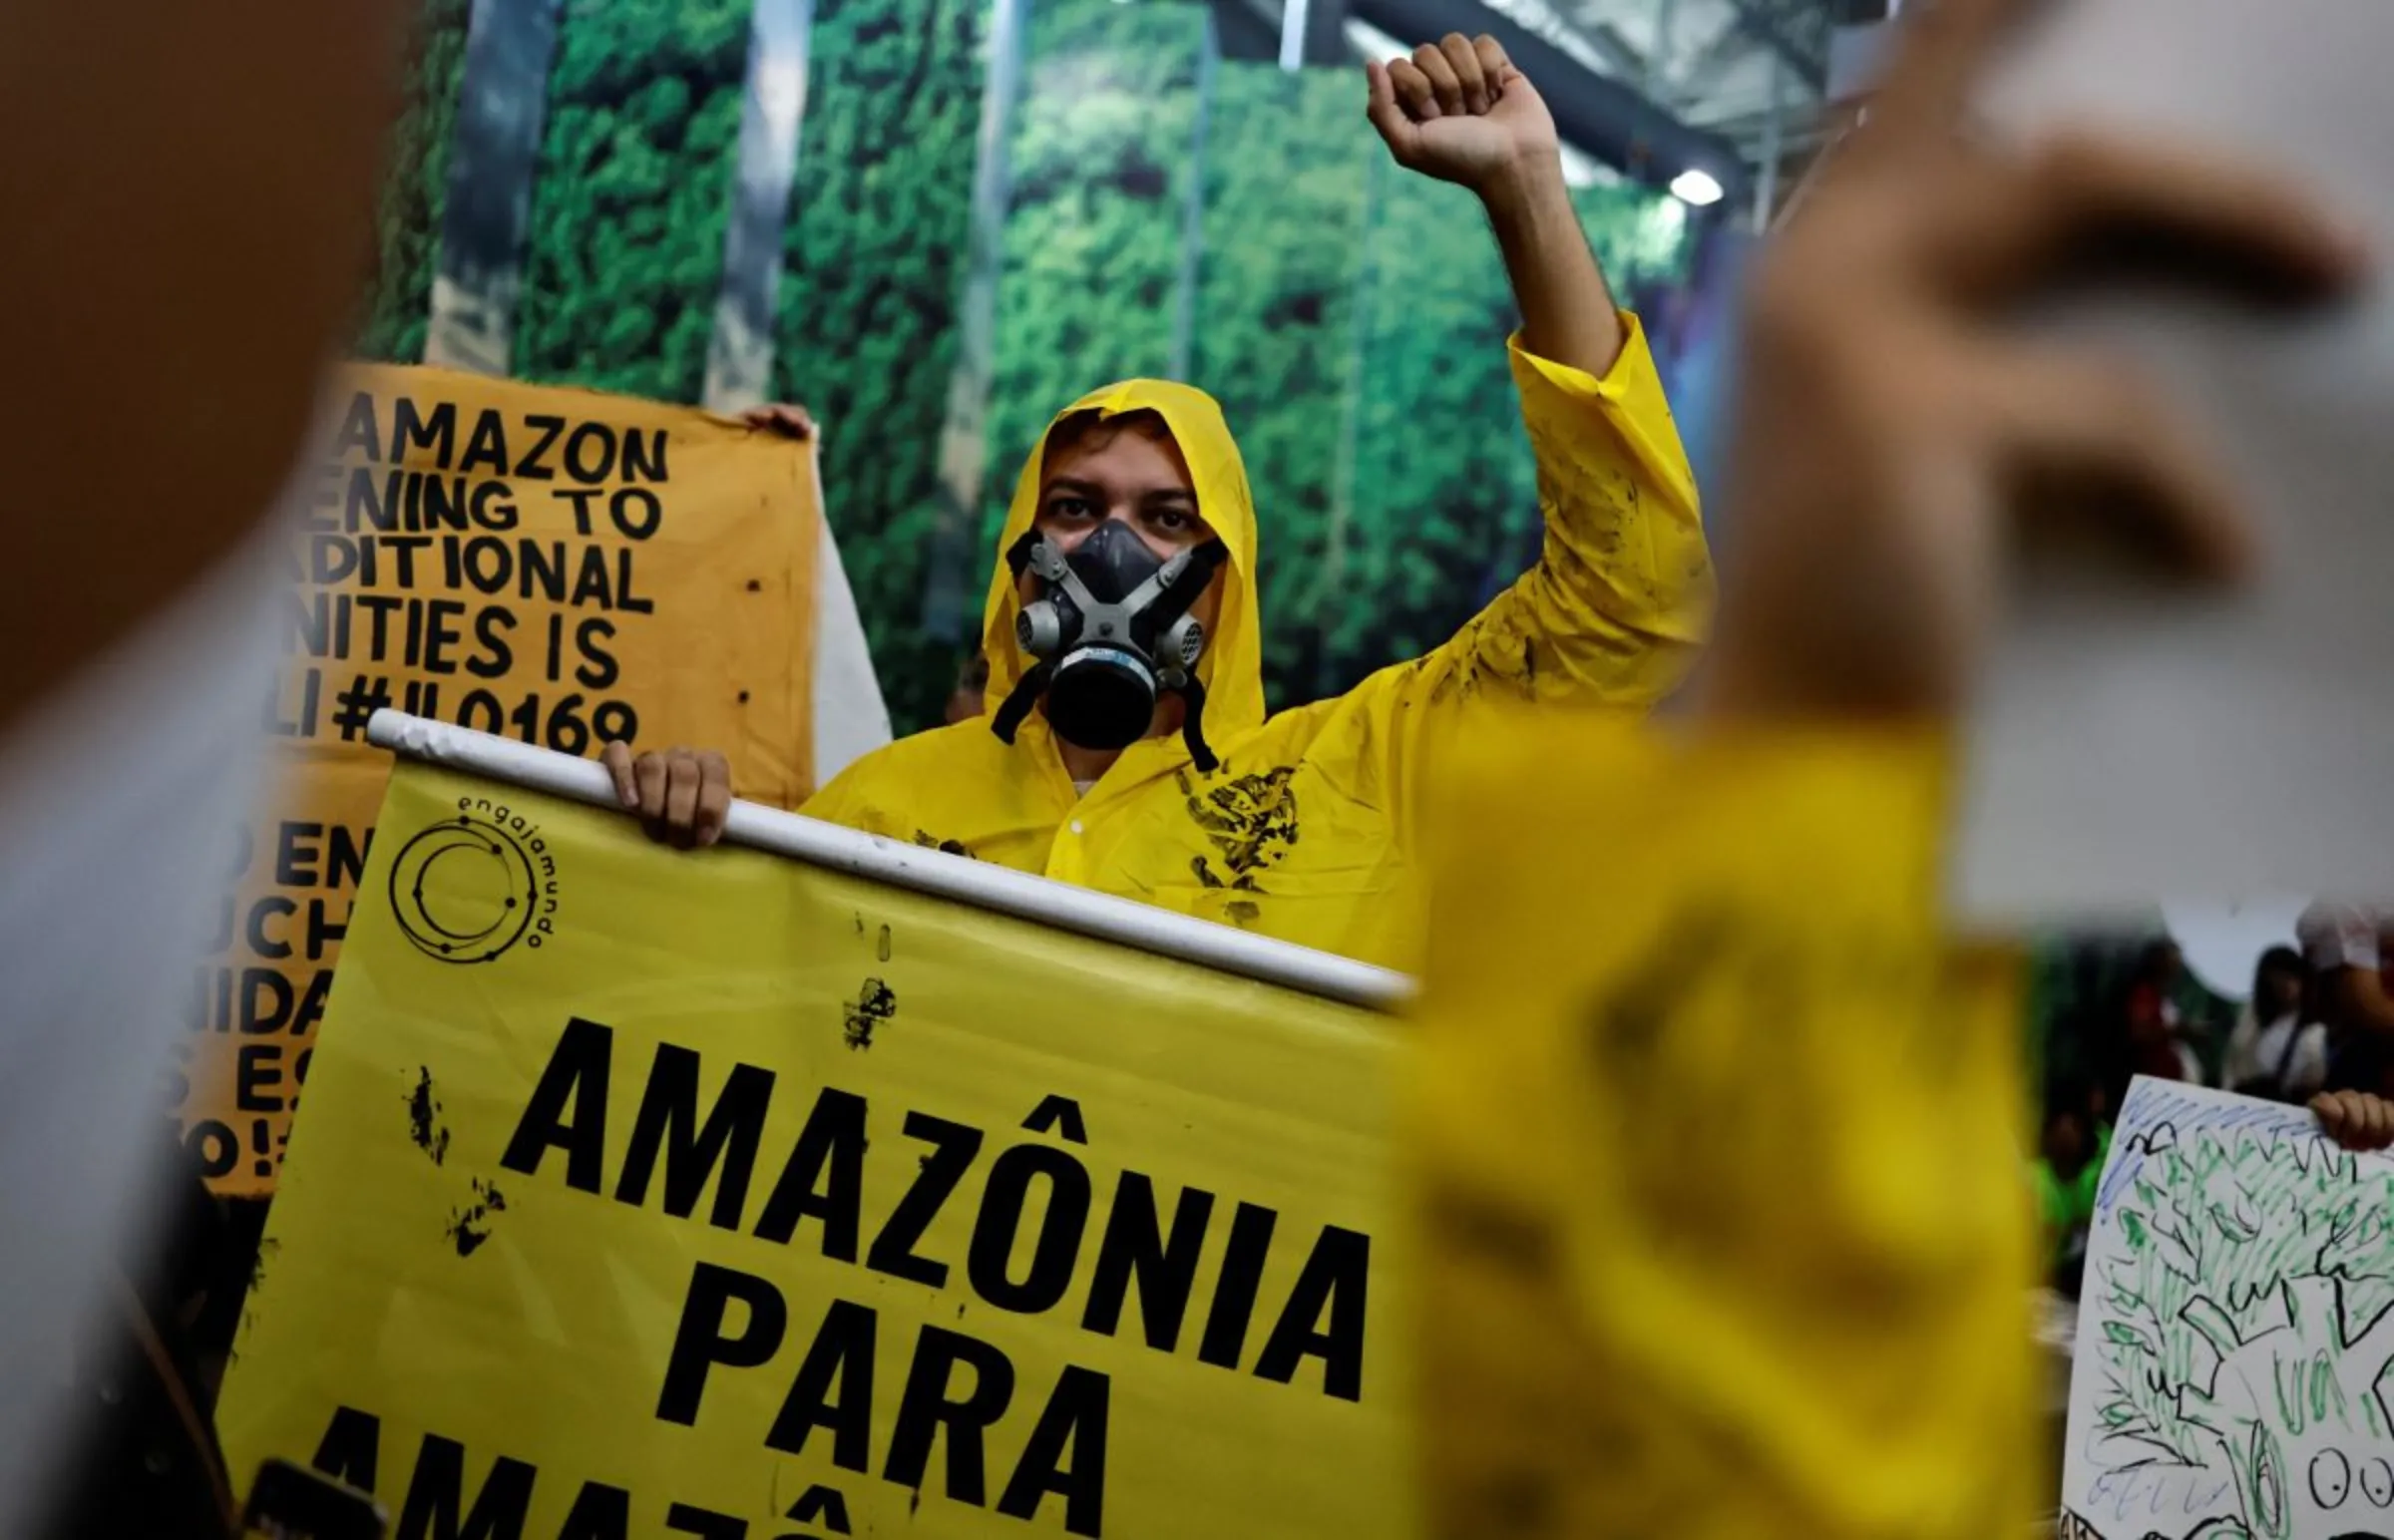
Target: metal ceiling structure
x,y
1754,73
1612,116
1735,89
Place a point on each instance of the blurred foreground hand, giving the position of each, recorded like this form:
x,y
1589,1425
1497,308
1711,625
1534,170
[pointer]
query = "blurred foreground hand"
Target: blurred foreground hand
x,y
1895,426
1721,1137
191,228
190,194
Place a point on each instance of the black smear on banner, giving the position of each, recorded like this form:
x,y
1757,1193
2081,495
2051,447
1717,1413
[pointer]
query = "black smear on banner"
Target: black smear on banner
x,y
875,1004
424,1124
467,1231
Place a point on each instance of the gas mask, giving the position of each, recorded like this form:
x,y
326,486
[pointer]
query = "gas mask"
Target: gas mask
x,y
1111,632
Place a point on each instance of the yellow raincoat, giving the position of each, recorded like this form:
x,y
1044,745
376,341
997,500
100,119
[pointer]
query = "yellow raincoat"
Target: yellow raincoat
x,y
1306,832
1720,1229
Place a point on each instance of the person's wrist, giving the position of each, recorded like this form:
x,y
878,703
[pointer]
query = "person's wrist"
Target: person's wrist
x,y
1787,680
1524,184
1781,653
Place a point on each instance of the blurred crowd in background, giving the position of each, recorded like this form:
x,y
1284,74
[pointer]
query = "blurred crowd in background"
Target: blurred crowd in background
x,y
2107,1007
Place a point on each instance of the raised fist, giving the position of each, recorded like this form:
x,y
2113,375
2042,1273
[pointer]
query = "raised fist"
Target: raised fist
x,y
1458,111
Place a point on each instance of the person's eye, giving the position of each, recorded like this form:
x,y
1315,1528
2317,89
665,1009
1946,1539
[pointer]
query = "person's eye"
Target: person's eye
x,y
1066,505
1172,520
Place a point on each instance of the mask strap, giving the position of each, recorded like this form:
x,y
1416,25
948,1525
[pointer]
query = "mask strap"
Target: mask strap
x,y
1192,726
1203,561
1017,556
1018,705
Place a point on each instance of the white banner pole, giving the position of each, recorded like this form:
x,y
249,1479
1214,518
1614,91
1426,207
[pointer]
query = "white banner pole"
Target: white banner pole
x,y
978,883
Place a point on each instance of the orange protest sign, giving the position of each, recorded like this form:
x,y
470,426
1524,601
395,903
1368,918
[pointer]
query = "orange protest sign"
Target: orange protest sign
x,y
555,566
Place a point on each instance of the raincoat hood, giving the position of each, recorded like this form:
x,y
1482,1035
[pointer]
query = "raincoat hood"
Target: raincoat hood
x,y
1231,666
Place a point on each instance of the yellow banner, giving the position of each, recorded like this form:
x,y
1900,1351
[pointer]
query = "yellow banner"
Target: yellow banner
x,y
553,566
654,1194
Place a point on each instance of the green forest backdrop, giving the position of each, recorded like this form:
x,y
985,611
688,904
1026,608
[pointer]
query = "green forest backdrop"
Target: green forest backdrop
x,y
626,249
1168,213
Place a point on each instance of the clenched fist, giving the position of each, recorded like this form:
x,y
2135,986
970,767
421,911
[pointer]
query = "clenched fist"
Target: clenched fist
x,y
1458,111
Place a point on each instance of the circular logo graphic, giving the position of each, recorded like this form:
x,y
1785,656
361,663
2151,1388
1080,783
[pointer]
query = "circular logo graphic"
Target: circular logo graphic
x,y
465,890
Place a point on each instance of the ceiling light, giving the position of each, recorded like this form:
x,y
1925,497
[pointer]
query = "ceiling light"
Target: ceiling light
x,y
1696,186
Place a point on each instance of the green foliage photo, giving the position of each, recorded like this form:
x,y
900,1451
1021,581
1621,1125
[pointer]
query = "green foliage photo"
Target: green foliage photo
x,y
1103,154
626,252
414,191
873,259
1288,172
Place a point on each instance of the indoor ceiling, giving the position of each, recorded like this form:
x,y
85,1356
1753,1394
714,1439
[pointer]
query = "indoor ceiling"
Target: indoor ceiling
x,y
1755,72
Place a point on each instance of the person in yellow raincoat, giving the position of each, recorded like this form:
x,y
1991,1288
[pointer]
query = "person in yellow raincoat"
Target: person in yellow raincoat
x,y
1299,826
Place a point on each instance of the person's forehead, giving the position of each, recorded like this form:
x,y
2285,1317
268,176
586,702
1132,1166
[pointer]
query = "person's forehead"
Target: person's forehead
x,y
1131,450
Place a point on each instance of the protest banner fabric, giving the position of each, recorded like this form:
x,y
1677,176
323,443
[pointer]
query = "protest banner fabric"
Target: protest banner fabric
x,y
722,1195
559,567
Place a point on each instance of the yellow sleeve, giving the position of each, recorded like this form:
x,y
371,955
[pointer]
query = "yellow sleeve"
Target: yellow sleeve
x,y
1622,591
1716,1150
